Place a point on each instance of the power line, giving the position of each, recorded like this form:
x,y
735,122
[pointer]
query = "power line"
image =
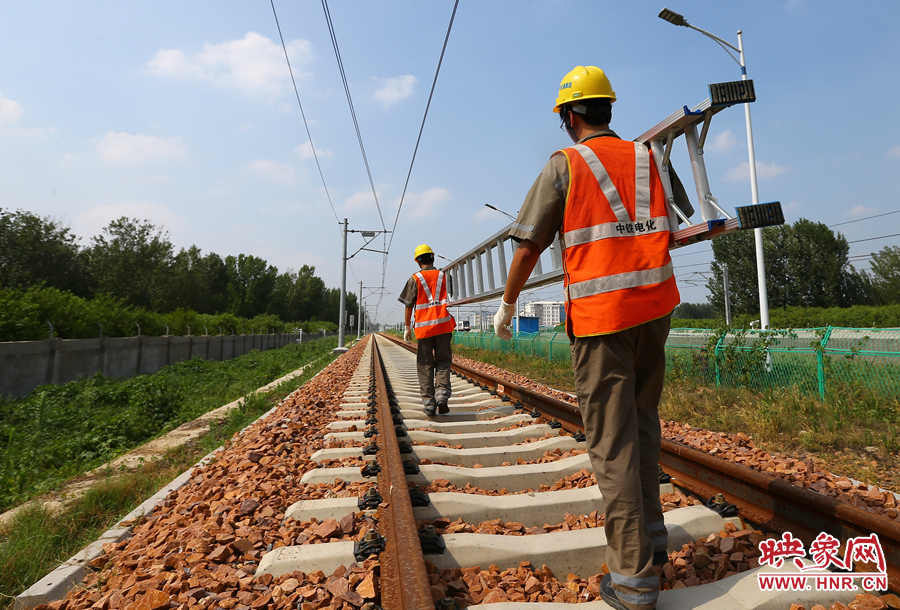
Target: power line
x,y
305,124
337,54
866,218
856,241
421,129
693,253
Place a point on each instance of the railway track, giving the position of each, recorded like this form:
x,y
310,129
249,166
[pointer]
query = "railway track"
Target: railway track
x,y
490,504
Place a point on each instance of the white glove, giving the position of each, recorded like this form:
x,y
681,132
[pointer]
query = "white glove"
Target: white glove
x,y
407,335
502,319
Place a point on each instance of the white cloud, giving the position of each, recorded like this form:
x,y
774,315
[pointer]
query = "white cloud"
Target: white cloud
x,y
360,201
305,151
273,171
893,152
764,171
426,203
253,65
860,210
723,142
126,148
93,221
791,206
10,111
395,89
489,215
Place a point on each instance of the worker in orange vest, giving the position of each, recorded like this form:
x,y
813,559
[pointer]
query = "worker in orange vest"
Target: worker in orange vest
x,y
603,199
425,297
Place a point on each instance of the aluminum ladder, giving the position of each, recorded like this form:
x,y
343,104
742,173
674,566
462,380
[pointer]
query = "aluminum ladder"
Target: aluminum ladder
x,y
473,273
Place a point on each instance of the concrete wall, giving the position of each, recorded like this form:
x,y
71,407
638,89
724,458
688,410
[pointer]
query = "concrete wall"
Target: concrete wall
x,y
25,365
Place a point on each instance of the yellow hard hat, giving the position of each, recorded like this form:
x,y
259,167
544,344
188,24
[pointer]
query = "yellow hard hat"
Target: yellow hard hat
x,y
584,83
423,249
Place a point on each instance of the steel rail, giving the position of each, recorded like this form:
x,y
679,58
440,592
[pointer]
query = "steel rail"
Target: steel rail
x,y
404,580
766,501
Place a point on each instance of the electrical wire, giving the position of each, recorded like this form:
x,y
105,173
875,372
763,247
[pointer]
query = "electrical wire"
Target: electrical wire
x,y
692,253
305,124
421,129
362,148
866,218
856,241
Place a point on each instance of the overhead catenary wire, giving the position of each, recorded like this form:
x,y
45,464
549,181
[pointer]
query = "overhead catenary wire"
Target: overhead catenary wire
x,y
305,123
856,241
362,148
421,129
866,218
437,72
302,114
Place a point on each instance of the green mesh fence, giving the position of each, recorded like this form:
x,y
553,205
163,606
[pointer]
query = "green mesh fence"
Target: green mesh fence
x,y
827,362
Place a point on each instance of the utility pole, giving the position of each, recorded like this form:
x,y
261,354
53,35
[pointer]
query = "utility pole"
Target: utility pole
x,y
369,236
359,307
340,348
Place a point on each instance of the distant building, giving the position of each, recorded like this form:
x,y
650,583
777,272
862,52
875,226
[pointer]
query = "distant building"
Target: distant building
x,y
551,313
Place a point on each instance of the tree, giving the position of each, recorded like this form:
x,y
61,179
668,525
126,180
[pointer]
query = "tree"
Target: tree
x,y
250,284
132,260
38,251
806,266
817,266
695,311
197,282
886,275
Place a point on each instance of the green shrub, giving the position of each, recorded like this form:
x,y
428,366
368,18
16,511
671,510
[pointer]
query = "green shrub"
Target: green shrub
x,y
60,431
24,314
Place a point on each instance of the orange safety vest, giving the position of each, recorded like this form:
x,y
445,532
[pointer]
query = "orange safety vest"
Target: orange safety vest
x,y
431,314
615,235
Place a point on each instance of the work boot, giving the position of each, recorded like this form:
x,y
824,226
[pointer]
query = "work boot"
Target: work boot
x,y
430,409
608,594
442,407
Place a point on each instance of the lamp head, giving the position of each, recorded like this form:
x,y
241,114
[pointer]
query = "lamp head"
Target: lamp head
x,y
672,17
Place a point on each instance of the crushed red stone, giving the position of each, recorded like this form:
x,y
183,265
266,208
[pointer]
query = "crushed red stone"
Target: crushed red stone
x,y
740,449
200,547
498,527
720,555
863,601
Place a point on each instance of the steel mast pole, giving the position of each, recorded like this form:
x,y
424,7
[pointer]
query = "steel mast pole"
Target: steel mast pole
x,y
359,314
342,313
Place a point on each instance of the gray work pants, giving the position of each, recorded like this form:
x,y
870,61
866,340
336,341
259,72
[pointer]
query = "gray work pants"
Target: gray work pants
x,y
618,381
433,359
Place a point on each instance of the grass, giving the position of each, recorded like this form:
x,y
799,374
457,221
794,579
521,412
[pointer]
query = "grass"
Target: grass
x,y
36,541
853,434
59,432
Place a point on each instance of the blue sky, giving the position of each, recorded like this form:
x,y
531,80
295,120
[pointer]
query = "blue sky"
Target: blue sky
x,y
183,113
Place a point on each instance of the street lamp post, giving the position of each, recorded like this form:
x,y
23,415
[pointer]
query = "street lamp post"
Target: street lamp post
x,y
676,19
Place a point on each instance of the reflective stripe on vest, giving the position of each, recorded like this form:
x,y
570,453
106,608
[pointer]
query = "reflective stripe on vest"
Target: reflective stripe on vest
x,y
620,281
618,272
431,314
427,323
641,182
432,302
616,229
